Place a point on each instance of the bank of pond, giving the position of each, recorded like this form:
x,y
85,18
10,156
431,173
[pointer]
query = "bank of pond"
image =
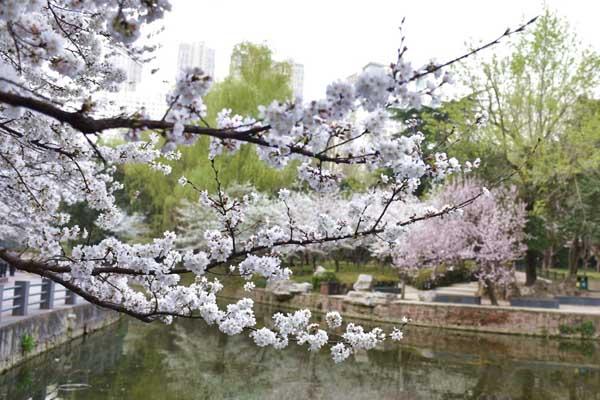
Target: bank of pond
x,y
187,360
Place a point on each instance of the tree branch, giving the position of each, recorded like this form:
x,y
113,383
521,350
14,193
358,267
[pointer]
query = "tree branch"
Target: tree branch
x,y
89,125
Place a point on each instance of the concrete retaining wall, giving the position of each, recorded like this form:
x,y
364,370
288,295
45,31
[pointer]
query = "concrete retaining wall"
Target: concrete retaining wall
x,y
510,320
48,330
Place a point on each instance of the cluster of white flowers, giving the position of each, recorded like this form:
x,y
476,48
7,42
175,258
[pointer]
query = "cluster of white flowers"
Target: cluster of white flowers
x,y
469,166
249,286
196,262
397,334
282,118
229,123
340,352
265,266
373,88
297,326
266,237
334,319
317,178
74,38
340,96
264,337
239,316
220,246
442,163
186,105
359,339
315,340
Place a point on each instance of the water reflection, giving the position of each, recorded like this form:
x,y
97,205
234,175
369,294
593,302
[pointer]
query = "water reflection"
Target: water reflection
x,y
136,361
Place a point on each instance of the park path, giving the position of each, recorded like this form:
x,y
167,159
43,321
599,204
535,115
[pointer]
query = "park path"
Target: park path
x,y
472,288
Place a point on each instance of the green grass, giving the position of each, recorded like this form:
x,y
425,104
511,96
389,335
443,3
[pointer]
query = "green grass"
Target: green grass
x,y
348,272
590,274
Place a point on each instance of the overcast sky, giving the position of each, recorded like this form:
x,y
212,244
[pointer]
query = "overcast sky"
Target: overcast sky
x,y
335,38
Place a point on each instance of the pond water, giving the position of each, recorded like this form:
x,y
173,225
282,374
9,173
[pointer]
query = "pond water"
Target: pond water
x,y
135,361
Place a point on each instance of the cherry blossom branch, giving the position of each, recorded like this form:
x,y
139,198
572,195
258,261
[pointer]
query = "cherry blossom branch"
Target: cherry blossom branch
x,y
437,67
88,125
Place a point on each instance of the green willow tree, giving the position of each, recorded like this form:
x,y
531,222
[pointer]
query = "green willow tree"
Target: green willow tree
x,y
255,79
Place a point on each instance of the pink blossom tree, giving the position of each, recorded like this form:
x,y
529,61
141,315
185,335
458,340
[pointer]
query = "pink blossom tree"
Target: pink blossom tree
x,y
490,231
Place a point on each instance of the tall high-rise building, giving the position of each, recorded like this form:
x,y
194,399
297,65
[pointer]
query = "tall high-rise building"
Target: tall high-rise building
x,y
196,54
133,72
372,65
297,79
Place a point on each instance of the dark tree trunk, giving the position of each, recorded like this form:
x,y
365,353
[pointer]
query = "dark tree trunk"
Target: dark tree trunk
x,y
491,291
574,255
530,254
588,255
548,257
403,289
530,267
337,264
595,251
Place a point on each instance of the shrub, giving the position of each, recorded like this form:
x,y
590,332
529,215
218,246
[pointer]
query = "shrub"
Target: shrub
x,y
260,282
328,276
430,278
423,279
27,343
586,329
566,329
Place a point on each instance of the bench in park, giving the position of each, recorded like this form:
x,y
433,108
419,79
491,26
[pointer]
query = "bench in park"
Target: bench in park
x,y
533,302
456,298
578,301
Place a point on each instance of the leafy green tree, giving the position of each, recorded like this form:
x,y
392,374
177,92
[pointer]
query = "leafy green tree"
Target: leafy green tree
x,y
529,99
254,79
569,181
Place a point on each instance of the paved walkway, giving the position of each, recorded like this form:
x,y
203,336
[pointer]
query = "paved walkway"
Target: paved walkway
x,y
472,288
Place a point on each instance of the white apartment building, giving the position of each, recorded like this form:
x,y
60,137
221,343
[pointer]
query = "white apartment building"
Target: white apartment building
x,y
133,71
196,54
297,79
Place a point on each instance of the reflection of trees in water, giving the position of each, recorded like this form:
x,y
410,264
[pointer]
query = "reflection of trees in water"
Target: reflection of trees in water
x,y
498,347
75,362
189,361
247,372
533,382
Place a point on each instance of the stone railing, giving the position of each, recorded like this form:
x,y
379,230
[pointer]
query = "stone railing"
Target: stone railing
x,y
19,298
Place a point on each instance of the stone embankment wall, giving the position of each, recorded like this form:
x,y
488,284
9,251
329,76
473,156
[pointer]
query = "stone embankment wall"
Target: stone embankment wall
x,y
508,320
47,330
